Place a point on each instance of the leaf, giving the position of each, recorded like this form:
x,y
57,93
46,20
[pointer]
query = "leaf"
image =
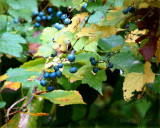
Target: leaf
x,y
3,77
149,76
34,65
63,97
79,112
9,43
110,42
133,82
19,75
95,81
157,54
11,85
2,104
36,114
20,4
24,13
63,3
45,50
3,20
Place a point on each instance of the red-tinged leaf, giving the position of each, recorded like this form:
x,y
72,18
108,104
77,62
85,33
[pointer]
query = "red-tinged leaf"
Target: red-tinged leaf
x,y
12,85
33,47
3,77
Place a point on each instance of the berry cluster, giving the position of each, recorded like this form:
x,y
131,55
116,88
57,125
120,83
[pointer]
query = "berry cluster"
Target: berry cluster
x,y
71,58
64,18
42,17
129,9
94,63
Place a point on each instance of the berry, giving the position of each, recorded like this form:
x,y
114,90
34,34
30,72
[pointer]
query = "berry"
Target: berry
x,y
50,10
41,14
58,73
85,6
49,17
127,26
67,21
92,58
43,17
110,65
60,65
43,83
64,16
59,13
52,75
56,25
125,11
16,20
50,88
73,70
132,10
38,18
54,54
46,75
51,14
71,57
94,62
36,24
60,27
56,68
35,13
129,9
95,69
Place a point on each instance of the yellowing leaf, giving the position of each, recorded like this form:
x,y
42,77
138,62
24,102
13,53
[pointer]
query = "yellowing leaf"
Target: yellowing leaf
x,y
133,82
36,114
11,85
157,54
3,77
77,20
149,76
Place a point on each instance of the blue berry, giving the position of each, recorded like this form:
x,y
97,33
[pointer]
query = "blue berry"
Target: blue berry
x,y
59,13
50,88
60,65
60,27
94,62
95,69
58,73
43,83
85,6
49,17
16,20
38,18
71,57
43,17
50,10
35,13
67,21
56,68
52,75
54,54
73,70
64,16
127,26
132,10
56,25
92,58
36,24
41,14
125,11
110,65
129,8
46,75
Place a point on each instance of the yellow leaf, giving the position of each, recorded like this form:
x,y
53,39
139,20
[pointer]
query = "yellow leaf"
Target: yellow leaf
x,y
11,85
149,76
3,77
143,5
157,54
133,82
36,114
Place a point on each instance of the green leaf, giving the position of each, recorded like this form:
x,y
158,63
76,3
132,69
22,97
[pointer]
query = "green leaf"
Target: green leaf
x,y
156,85
20,4
80,43
19,75
48,34
2,104
24,13
28,84
3,7
45,50
63,3
95,81
3,21
9,43
34,65
92,46
63,97
110,42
